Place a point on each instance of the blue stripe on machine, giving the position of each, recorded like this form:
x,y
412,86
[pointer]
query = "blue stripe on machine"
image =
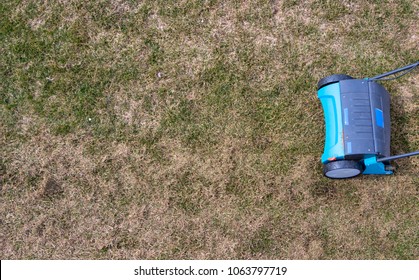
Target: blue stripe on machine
x,y
349,147
379,118
345,116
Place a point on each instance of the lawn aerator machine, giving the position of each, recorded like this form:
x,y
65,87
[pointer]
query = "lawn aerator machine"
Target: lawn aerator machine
x,y
357,118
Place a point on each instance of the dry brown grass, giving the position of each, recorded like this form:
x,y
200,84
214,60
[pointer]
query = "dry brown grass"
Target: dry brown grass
x,y
191,130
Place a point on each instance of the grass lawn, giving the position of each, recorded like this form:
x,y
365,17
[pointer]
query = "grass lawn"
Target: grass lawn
x,y
192,130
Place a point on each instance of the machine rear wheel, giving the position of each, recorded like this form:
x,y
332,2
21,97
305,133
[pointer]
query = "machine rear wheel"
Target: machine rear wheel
x,y
332,79
342,169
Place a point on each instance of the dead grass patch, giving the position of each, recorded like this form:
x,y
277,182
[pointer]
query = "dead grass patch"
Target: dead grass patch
x,y
191,130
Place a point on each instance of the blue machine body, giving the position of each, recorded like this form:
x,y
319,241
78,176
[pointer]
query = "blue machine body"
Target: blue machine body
x,y
332,107
357,123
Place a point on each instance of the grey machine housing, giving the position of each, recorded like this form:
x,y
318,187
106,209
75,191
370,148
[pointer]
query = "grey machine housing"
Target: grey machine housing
x,y
366,118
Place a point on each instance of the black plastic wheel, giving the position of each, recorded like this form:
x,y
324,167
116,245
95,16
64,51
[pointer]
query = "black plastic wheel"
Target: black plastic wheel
x,y
342,169
332,79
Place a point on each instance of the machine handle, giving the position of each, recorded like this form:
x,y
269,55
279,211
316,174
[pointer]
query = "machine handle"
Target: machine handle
x,y
406,68
398,156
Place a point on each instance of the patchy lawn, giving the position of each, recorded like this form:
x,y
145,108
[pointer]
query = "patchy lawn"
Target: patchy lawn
x,y
191,129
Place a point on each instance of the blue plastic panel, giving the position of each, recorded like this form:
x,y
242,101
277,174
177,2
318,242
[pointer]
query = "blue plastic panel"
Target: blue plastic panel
x,y
379,118
332,108
372,167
